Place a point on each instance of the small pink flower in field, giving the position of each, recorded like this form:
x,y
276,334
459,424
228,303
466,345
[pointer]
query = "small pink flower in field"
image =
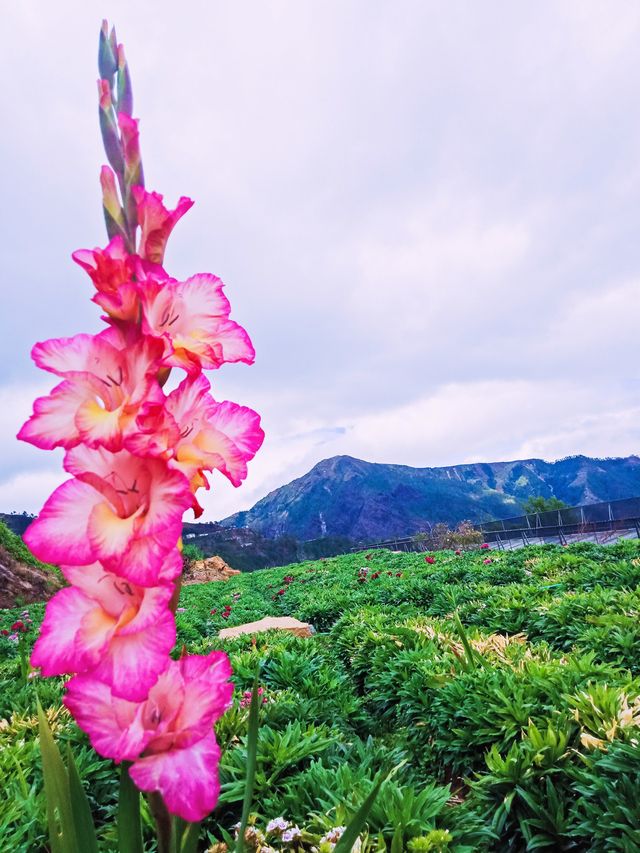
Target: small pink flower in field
x,y
4,632
487,561
213,612
156,222
192,317
169,736
119,632
485,545
281,592
19,625
278,824
181,610
457,552
121,510
430,560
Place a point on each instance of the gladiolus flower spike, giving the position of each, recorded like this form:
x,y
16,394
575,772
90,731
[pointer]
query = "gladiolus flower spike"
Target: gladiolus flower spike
x,y
137,457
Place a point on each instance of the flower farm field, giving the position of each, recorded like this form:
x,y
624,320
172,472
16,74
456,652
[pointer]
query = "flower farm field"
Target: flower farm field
x,y
519,732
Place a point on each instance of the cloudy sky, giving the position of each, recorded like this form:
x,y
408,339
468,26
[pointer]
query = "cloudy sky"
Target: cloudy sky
x,y
427,216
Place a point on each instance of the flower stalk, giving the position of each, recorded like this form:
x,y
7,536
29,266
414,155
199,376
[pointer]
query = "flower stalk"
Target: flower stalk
x,y
137,456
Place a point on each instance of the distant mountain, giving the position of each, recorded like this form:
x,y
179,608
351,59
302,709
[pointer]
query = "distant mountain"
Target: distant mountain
x,y
366,501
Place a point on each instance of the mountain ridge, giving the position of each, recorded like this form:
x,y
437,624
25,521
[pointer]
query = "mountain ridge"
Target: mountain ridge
x,y
346,496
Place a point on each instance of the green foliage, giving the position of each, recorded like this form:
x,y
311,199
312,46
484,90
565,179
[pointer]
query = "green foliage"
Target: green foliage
x,y
17,548
540,504
505,694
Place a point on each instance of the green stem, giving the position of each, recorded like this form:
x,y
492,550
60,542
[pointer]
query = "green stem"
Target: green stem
x,y
163,821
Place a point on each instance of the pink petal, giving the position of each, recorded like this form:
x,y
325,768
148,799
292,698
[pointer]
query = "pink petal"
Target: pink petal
x,y
114,725
59,534
187,778
78,355
156,222
208,694
55,650
235,344
203,300
133,662
52,423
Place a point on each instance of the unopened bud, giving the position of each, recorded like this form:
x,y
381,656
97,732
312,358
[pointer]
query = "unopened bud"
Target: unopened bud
x,y
113,214
109,128
107,59
125,91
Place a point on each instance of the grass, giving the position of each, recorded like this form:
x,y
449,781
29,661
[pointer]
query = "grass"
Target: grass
x,y
503,687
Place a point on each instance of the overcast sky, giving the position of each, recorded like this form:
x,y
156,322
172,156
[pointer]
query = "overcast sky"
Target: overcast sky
x,y
427,216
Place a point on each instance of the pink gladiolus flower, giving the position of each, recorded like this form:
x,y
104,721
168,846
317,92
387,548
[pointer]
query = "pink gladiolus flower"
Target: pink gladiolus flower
x,y
120,632
106,381
136,456
195,433
156,222
112,271
121,510
192,317
169,736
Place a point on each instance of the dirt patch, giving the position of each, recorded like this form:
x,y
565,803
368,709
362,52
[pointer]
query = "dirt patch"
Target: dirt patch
x,y
24,584
209,570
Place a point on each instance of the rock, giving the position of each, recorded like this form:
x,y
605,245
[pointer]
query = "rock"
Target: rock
x,y
21,583
211,569
270,623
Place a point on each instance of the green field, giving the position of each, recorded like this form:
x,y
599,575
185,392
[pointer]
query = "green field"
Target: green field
x,y
518,732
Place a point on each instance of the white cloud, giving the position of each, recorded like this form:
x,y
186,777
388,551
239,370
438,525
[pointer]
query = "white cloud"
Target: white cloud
x,y
426,215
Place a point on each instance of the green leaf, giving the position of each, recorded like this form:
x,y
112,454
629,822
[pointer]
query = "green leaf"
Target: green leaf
x,y
56,787
252,753
82,817
190,838
355,827
472,661
129,831
396,842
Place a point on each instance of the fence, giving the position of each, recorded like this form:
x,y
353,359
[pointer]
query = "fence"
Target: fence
x,y
599,522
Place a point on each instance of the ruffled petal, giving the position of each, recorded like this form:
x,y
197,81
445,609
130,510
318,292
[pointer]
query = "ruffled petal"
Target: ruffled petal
x,y
55,650
133,662
156,222
114,725
59,534
187,778
52,423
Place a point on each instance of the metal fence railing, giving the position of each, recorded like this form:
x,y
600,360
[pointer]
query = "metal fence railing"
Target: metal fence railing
x,y
598,522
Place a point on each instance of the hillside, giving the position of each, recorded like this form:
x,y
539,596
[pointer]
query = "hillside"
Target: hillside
x,y
524,692
23,578
366,501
